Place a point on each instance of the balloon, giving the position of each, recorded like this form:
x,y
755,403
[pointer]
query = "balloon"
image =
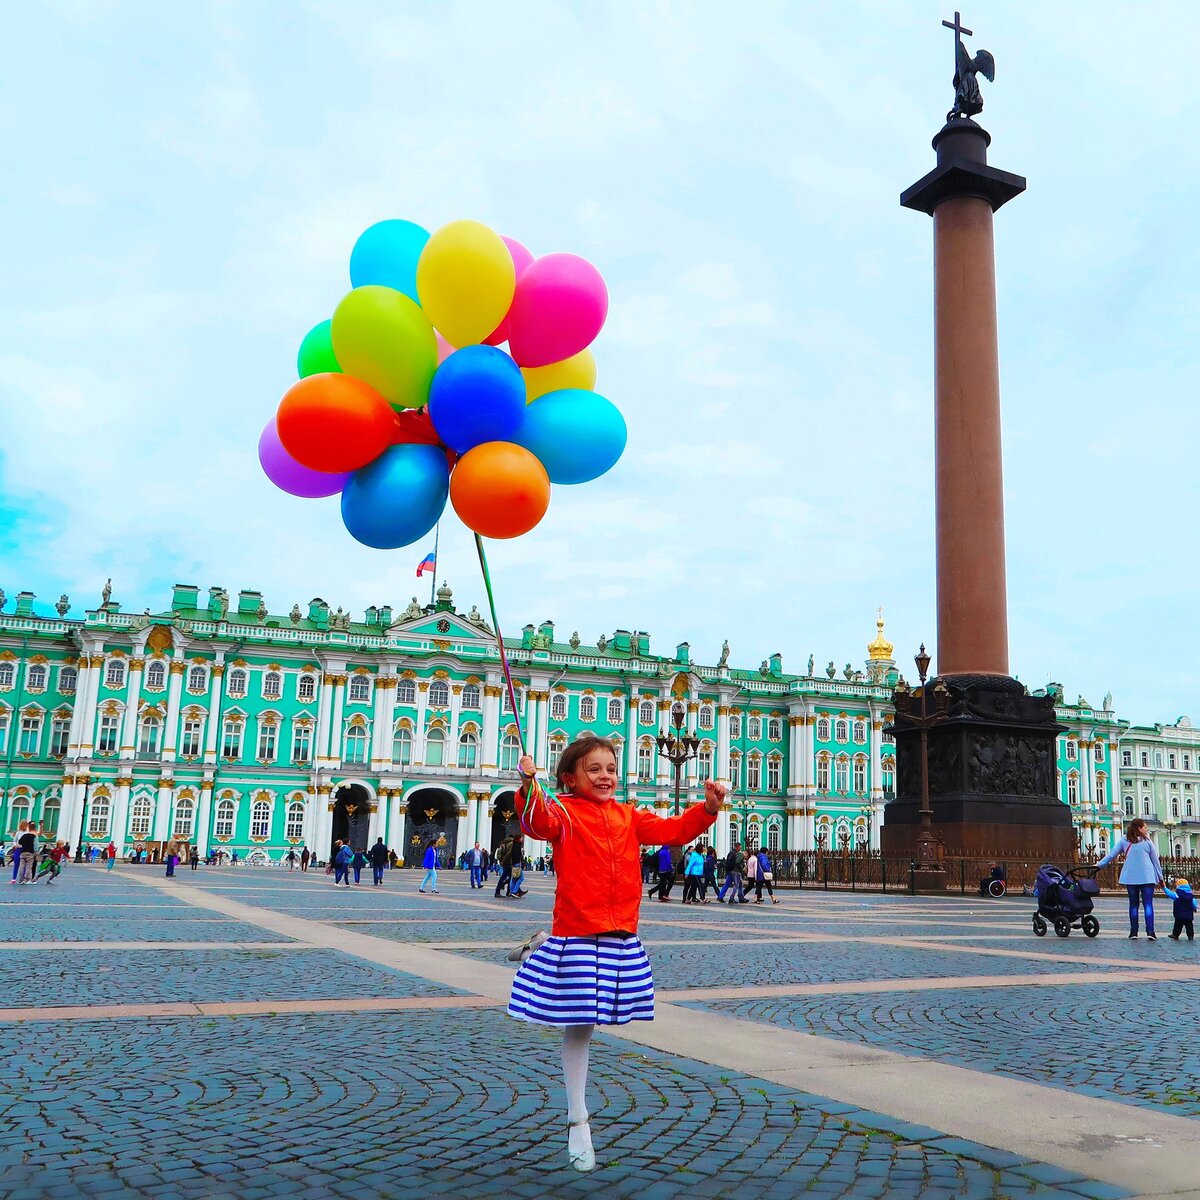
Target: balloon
x,y
316,351
521,259
398,498
576,435
385,339
465,281
478,395
413,425
559,307
334,422
387,254
290,476
578,371
499,490
444,349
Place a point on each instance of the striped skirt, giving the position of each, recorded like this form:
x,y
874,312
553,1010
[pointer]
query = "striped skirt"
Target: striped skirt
x,y
602,980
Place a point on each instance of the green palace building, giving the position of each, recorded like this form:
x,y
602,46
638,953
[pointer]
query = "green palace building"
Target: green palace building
x,y
220,725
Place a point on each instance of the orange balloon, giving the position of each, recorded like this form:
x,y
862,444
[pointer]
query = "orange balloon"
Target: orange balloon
x,y
333,422
499,490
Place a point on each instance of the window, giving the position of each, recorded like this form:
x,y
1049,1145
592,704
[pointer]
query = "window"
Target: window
x,y
22,807
860,775
704,764
260,819
510,751
558,706
189,745
360,688
231,740
1189,807
1145,806
1099,752
888,777
294,829
267,741
587,708
356,745
98,813
60,734
439,693
842,775
645,762
754,775
774,729
468,751
148,735
1072,751
31,735
8,675
706,716
197,679
185,817
36,677
1187,762
773,773
735,727
505,700
557,746
841,731
1171,761
139,818
470,696
301,743
1175,806
239,680
1129,806
272,685
223,825
753,830
1127,758
110,728
823,729
435,748
156,676
860,731
1072,788
646,712
1158,760
773,836
114,675
67,680
822,774
735,772
1145,759
406,692
754,729
614,711
402,747
51,812
306,689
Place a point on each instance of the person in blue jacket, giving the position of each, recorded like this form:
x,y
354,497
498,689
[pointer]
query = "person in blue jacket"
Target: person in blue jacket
x,y
342,858
430,864
1141,873
1185,909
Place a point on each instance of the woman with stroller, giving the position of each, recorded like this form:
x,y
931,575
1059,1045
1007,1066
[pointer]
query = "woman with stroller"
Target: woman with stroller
x,y
1141,873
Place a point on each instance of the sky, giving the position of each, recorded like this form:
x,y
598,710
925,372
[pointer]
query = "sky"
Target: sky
x,y
184,185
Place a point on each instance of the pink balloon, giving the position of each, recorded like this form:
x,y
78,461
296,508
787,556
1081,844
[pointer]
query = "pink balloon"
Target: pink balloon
x,y
559,307
444,349
521,259
290,476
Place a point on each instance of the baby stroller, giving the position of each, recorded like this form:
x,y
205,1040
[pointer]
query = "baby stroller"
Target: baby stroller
x,y
1065,900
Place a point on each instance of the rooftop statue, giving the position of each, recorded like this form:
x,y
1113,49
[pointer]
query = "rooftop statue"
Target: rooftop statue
x,y
968,100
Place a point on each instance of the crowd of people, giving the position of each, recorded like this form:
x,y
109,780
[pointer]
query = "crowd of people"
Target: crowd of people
x,y
744,871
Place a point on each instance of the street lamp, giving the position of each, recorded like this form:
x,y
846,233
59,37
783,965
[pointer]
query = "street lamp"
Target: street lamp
x,y
927,859
677,747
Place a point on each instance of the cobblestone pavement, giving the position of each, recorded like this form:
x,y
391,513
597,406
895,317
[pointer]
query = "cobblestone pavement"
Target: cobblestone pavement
x,y
452,1101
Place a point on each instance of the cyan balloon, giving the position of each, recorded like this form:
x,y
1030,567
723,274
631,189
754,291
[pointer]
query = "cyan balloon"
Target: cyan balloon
x,y
387,253
397,499
577,435
477,396
316,354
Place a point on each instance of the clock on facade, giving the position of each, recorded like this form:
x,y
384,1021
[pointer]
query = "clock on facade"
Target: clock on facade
x,y
443,626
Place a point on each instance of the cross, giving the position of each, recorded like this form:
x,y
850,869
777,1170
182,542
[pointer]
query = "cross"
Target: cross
x,y
958,27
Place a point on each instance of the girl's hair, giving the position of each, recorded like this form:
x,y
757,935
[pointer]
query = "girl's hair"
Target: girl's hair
x,y
575,752
1135,831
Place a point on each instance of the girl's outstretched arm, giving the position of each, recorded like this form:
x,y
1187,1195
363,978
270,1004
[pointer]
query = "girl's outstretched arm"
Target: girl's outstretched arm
x,y
538,815
671,831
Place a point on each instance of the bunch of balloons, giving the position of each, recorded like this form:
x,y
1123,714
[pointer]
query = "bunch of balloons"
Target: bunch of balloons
x,y
405,397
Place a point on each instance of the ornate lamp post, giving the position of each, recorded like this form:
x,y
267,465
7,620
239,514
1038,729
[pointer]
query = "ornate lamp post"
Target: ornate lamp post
x,y
928,860
677,747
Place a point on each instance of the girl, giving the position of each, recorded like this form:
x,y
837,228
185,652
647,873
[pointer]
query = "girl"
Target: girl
x,y
592,970
1140,873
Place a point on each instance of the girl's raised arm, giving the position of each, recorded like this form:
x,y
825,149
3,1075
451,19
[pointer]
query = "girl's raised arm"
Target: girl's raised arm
x,y
537,815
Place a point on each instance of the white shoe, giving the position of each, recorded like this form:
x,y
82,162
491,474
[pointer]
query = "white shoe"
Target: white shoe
x,y
579,1146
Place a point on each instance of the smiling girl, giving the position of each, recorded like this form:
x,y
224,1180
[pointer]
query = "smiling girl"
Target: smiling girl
x,y
593,970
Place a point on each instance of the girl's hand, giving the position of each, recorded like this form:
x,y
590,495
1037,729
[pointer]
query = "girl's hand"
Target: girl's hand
x,y
527,767
714,795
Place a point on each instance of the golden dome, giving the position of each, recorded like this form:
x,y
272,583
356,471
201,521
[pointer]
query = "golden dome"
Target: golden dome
x,y
880,650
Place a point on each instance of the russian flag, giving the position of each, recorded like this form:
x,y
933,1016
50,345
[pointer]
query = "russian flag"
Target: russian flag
x,y
428,563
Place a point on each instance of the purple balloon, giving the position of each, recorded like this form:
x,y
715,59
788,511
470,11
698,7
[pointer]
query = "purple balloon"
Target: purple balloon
x,y
292,477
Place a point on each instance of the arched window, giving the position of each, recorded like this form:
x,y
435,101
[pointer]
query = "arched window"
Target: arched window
x,y
36,676
1072,788
197,679
774,729
149,734
754,729
587,708
223,824
557,745
306,688
1129,806
8,675
841,730
1174,806
615,708
98,815
406,692
185,817
260,819
507,704
156,676
735,726
293,831
114,674
1072,751
646,712
360,688
510,751
20,810
774,770
139,818
52,810
402,744
470,696
860,775
823,729
645,762
558,706
67,679
888,778
704,764
705,720
860,731
439,694
754,774
272,685
753,833
468,750
1145,806
1101,790
435,748
1099,752
356,744
773,835
842,775
238,681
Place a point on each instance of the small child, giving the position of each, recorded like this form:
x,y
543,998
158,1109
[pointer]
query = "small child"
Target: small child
x,y
592,969
1185,909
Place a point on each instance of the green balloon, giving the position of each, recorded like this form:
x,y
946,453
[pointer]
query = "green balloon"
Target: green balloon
x,y
385,339
316,352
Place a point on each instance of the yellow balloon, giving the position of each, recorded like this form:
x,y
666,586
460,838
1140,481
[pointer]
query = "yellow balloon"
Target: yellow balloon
x,y
578,371
465,281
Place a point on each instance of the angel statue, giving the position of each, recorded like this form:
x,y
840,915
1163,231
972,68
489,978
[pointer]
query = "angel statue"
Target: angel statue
x,y
968,100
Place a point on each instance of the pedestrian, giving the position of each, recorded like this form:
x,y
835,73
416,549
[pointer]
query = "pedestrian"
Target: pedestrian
x,y
194,858
22,829
58,854
1141,873
429,862
765,878
666,876
290,859
487,865
172,859
358,860
475,862
710,875
735,864
339,863
110,855
304,857
504,863
1184,909
750,878
379,858
649,861
593,970
693,875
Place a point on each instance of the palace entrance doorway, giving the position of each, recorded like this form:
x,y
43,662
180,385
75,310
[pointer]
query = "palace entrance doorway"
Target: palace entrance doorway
x,y
504,819
431,815
351,816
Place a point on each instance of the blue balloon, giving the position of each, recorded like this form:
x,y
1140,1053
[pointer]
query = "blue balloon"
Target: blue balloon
x,y
387,254
477,396
576,434
398,498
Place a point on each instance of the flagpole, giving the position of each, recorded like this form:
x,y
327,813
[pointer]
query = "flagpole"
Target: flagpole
x,y
433,582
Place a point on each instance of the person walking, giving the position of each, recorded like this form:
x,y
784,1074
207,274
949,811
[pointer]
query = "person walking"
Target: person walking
x,y
110,855
194,858
430,864
516,881
58,855
1184,910
1141,873
504,863
693,875
304,857
475,862
751,876
765,878
666,876
379,860
290,859
710,875
340,861
358,860
172,859
735,864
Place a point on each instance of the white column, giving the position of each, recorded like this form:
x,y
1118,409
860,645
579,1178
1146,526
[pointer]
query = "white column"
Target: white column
x,y
540,739
720,832
663,775
212,730
120,814
83,712
395,833
324,720
721,767
489,751
453,732
875,765
419,732
381,725
203,818
631,742
795,826
162,811
133,693
174,693
335,722
323,823
1087,772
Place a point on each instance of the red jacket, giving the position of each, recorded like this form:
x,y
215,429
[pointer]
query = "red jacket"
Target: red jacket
x,y
597,857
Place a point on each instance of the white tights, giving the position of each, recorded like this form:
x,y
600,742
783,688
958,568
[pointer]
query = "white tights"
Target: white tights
x,y
576,1039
